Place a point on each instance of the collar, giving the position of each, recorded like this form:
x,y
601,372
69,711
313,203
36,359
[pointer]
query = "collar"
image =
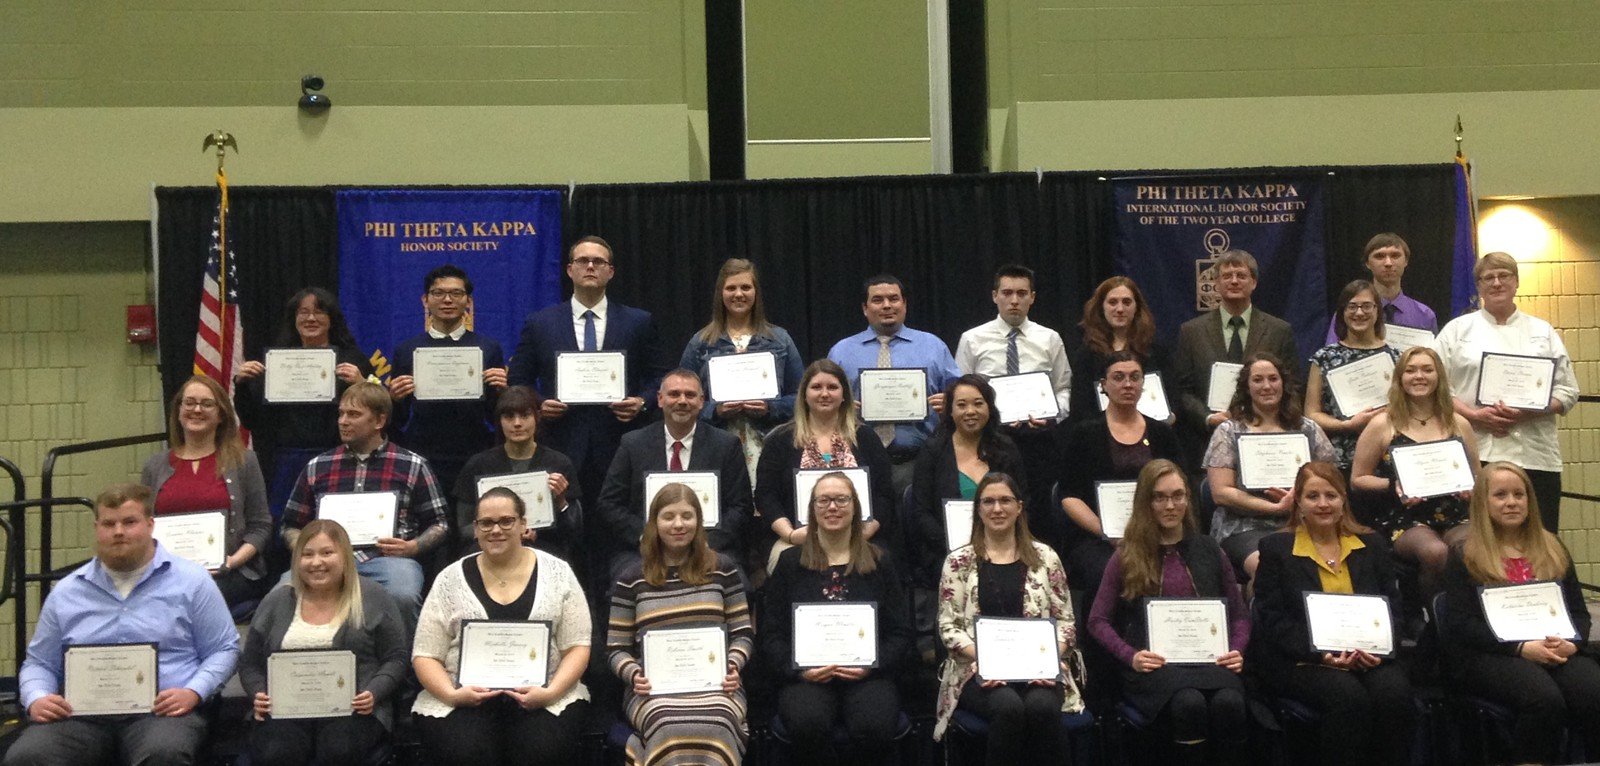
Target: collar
x,y
1249,311
1304,547
870,335
359,456
688,439
599,308
1489,319
461,329
96,573
1023,329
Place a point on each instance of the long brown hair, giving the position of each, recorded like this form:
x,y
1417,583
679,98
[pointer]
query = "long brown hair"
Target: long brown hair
x,y
1097,333
1330,473
1141,540
1400,402
718,326
863,557
1243,408
349,609
847,404
1025,552
1350,291
230,448
695,569
1481,549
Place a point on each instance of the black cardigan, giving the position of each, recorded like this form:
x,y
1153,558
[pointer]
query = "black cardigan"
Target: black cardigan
x,y
559,539
791,584
779,459
936,479
1280,637
1086,459
1464,630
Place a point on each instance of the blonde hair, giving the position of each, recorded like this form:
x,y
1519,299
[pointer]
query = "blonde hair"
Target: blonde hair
x,y
1141,540
847,404
1495,260
1400,401
1481,550
701,560
863,557
349,610
229,446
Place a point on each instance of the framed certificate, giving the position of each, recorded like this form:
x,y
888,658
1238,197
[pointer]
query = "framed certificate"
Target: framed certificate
x,y
1016,648
1115,500
1152,403
1341,622
1431,469
835,633
1527,612
1362,384
313,683
1400,337
706,485
1271,460
200,537
534,489
110,679
1523,382
891,395
1026,396
504,654
447,372
297,375
957,523
685,660
1187,631
743,377
1219,390
591,377
806,478
365,516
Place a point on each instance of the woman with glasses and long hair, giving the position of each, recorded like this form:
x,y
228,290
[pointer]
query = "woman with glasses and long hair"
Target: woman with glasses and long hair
x,y
1359,325
836,564
207,468
1548,682
1163,555
1004,572
325,606
505,581
1115,318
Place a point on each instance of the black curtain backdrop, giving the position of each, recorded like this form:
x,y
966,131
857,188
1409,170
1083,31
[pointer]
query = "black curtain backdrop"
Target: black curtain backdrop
x,y
814,241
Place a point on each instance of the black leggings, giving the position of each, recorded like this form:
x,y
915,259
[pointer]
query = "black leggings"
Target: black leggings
x,y
1194,716
500,731
347,741
1024,721
1544,700
868,709
1367,716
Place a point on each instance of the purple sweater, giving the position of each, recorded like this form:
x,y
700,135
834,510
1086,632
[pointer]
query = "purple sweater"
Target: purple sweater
x,y
1175,582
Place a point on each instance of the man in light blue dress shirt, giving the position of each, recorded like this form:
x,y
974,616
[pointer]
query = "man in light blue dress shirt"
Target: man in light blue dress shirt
x,y
885,310
132,591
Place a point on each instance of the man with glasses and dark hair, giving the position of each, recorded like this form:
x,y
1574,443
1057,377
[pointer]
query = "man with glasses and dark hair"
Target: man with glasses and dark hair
x,y
446,431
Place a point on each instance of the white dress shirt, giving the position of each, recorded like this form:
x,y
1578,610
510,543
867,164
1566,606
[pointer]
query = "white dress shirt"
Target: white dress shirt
x,y
1531,444
688,446
599,322
461,329
982,351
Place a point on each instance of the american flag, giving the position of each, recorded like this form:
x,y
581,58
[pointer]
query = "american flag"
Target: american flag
x,y
219,343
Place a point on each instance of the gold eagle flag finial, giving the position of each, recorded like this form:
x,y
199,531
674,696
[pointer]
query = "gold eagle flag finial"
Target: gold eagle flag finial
x,y
222,141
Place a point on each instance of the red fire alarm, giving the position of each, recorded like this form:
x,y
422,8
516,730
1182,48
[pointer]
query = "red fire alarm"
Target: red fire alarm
x,y
142,324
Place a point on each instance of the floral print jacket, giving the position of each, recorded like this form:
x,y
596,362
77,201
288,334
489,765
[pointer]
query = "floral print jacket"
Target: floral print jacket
x,y
1044,595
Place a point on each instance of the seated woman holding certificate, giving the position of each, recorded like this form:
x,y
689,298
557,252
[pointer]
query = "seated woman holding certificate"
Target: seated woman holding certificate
x,y
1420,412
825,433
1115,318
1359,325
823,595
1363,698
1004,573
1163,555
325,608
1264,402
681,711
1111,446
208,470
738,326
480,702
517,410
1524,650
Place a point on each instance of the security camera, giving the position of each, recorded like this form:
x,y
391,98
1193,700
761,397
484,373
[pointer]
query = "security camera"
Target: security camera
x,y
311,101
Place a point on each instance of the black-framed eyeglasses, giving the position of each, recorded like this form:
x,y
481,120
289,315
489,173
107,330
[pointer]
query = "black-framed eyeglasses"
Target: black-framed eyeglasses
x,y
506,523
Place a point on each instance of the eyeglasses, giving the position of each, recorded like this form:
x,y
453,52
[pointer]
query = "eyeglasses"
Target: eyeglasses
x,y
1363,307
1495,277
441,293
590,262
504,522
198,404
837,501
997,502
309,313
1176,498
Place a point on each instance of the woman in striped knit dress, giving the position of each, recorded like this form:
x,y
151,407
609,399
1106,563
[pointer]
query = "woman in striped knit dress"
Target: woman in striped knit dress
x,y
680,583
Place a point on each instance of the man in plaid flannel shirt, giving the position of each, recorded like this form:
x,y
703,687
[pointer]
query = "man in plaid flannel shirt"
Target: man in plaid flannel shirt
x,y
367,462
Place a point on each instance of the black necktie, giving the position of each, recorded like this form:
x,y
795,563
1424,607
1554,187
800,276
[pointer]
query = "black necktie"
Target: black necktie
x,y
1388,313
1236,342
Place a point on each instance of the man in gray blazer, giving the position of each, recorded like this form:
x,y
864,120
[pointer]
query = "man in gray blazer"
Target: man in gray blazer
x,y
1228,333
682,442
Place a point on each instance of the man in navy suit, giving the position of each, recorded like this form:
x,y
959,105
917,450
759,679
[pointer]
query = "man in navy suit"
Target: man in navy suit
x,y
682,442
588,434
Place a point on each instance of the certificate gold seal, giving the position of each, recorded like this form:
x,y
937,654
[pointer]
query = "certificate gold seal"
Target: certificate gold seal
x,y
339,682
613,374
211,539
533,653
711,657
861,632
138,678
1552,611
1213,630
324,375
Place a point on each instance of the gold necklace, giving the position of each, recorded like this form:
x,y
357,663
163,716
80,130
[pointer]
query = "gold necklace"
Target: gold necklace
x,y
483,565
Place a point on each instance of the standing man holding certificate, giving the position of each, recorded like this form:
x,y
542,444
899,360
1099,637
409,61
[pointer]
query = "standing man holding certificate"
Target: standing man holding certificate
x,y
1229,333
446,379
133,594
1506,648
1522,432
367,465
888,342
1386,257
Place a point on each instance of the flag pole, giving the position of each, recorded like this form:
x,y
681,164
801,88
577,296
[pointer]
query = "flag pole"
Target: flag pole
x,y
221,140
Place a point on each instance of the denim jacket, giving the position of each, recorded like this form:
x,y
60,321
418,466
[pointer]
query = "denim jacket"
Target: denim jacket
x,y
785,353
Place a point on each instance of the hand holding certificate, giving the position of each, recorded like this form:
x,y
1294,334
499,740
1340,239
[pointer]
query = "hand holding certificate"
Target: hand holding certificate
x,y
534,489
1187,630
1528,612
110,679
1028,396
1362,384
200,537
1017,649
591,377
1349,623
447,372
743,377
894,395
836,633
295,375
1523,382
365,516
1219,391
1271,459
1115,501
706,485
504,654
1431,469
311,684
685,660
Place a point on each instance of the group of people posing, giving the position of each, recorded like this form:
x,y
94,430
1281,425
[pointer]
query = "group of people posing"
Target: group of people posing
x,y
937,521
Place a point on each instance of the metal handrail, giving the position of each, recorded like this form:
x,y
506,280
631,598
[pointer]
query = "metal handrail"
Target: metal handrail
x,y
47,490
16,570
19,485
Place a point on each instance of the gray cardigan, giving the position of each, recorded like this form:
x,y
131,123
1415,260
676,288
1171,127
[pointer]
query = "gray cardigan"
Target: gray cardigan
x,y
248,518
381,647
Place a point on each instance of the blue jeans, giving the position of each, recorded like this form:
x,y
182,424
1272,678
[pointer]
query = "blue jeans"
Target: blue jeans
x,y
401,577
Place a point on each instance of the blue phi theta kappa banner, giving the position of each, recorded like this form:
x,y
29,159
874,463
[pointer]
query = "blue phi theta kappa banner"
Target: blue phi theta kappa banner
x,y
508,242
1170,231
